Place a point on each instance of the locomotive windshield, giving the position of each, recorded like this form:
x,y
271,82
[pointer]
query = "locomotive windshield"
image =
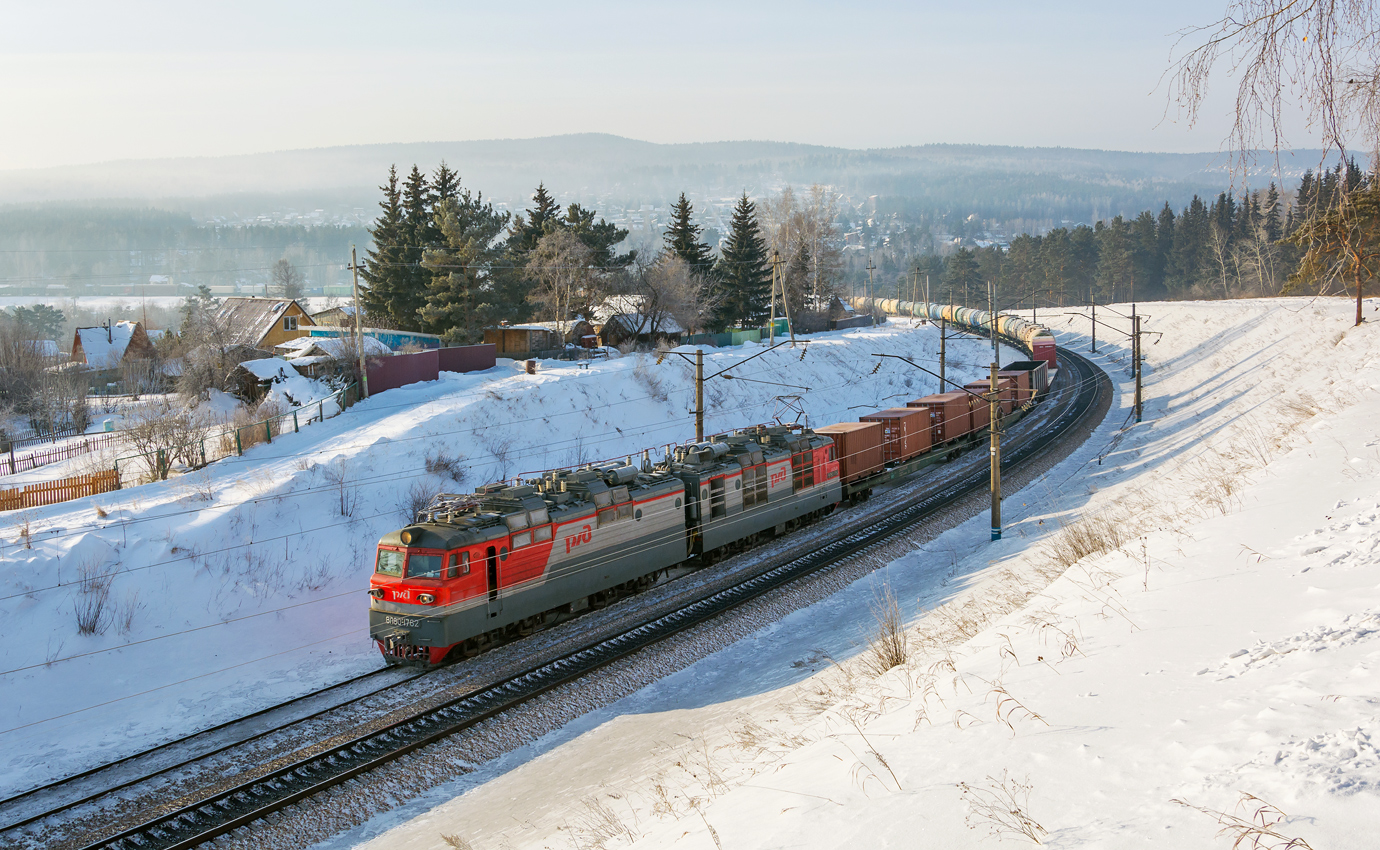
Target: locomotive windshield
x,y
390,563
424,566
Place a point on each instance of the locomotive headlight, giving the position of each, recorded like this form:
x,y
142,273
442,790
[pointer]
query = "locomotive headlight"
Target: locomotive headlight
x,y
406,536
426,598
376,592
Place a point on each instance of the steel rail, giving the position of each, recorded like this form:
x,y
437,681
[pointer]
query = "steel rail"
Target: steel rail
x,y
225,811
188,739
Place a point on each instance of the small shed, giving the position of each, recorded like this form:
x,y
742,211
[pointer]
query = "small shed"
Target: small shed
x,y
637,327
512,340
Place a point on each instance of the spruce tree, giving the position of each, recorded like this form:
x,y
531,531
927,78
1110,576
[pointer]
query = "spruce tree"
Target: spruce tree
x,y
527,230
1270,212
467,290
382,266
418,232
599,237
962,276
683,239
743,275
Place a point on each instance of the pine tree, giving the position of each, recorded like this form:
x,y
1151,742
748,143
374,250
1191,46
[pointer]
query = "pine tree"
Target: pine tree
x,y
1270,213
445,186
466,292
683,239
744,273
1115,262
599,237
382,267
527,230
961,276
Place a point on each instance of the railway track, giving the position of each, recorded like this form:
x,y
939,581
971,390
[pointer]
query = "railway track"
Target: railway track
x,y
69,792
1082,391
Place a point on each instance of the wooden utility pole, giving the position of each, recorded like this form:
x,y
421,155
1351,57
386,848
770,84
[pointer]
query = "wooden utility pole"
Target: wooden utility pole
x,y
699,395
359,327
777,272
1094,326
868,296
994,428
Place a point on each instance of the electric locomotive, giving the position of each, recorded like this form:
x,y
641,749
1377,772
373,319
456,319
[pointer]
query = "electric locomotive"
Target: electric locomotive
x,y
504,560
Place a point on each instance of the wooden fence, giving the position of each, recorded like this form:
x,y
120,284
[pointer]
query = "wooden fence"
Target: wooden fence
x,y
33,460
62,490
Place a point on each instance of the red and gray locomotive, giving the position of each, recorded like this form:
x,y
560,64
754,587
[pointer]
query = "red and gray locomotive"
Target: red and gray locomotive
x,y
505,559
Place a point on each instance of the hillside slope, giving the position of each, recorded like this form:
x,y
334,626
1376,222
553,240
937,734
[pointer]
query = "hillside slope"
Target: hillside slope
x,y
1184,612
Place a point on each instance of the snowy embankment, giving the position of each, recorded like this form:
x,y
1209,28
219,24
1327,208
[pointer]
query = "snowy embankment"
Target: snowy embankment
x,y
1183,613
229,589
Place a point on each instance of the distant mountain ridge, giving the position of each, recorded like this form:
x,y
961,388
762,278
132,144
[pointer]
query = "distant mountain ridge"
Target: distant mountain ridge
x,y
592,165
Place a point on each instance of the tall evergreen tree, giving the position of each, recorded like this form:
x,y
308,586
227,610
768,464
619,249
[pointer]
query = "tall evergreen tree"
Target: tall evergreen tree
x,y
744,272
1115,262
528,229
418,231
682,238
962,277
466,292
1274,230
599,237
382,268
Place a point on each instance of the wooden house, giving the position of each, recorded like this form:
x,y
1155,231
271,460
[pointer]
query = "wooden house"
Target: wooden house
x,y
263,322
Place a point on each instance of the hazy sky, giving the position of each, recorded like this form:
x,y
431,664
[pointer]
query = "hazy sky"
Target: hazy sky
x,y
88,81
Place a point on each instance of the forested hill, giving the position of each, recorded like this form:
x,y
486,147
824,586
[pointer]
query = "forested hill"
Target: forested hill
x,y
991,181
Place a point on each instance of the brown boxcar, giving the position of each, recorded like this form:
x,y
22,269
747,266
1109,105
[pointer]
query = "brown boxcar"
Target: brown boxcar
x,y
1039,374
905,432
949,414
857,447
1022,379
1006,387
979,406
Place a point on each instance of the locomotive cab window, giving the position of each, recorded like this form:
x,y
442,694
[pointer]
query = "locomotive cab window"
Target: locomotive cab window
x,y
459,565
424,566
390,563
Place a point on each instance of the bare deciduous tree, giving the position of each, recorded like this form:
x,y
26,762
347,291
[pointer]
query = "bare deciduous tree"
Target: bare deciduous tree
x,y
670,290
286,280
804,233
1321,55
566,281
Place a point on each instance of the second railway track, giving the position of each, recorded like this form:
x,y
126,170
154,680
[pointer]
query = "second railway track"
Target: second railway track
x,y
196,818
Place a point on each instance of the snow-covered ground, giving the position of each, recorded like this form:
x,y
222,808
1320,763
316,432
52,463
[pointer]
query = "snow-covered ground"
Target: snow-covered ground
x,y
241,585
1175,642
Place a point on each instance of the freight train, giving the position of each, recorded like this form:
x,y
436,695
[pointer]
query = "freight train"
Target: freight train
x,y
507,559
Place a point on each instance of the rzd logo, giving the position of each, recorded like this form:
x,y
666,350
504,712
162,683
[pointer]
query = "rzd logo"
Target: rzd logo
x,y
780,475
573,540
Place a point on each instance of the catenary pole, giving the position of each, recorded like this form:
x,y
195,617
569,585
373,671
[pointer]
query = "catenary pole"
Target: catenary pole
x,y
994,428
699,395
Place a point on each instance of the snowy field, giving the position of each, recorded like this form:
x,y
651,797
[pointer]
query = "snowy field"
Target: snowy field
x,y
1182,613
236,587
